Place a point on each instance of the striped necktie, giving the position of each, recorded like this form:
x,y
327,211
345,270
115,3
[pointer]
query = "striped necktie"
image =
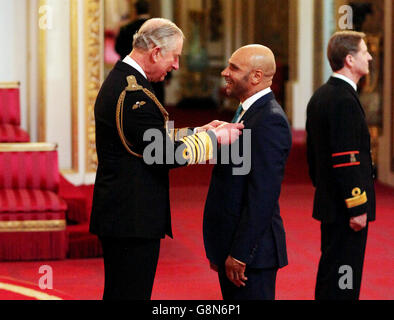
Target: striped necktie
x,y
237,113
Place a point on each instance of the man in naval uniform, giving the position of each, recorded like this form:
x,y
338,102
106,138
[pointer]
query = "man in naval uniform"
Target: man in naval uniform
x,y
131,208
341,169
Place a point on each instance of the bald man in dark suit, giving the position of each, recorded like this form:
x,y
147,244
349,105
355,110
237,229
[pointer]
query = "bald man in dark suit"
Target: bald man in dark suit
x,y
243,231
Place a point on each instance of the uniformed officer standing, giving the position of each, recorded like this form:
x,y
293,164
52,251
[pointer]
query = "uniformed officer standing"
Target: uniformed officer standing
x,y
131,206
340,166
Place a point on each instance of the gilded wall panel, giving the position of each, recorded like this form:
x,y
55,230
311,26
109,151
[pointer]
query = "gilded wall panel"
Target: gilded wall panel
x,y
93,72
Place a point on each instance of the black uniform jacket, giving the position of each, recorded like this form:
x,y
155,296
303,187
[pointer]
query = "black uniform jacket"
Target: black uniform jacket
x,y
241,216
338,152
131,197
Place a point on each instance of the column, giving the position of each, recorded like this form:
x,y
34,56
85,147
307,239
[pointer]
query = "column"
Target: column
x,y
386,143
57,117
13,53
300,87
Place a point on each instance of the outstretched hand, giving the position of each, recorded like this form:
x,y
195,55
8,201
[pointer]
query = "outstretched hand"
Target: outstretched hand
x,y
227,133
212,125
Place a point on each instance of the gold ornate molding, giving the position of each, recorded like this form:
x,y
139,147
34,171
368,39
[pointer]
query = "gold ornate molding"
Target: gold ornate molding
x,y
10,85
318,45
93,72
392,86
74,83
293,58
32,225
374,45
28,66
27,146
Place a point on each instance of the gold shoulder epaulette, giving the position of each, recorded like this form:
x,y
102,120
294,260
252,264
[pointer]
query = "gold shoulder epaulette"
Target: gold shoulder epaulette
x,y
132,84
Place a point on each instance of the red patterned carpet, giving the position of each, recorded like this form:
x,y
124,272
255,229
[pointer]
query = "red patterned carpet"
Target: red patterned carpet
x,y
183,272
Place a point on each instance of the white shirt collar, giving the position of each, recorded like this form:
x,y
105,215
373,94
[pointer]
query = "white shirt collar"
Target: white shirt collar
x,y
249,101
135,65
344,78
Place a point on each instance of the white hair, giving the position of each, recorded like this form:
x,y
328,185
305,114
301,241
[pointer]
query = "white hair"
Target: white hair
x,y
157,32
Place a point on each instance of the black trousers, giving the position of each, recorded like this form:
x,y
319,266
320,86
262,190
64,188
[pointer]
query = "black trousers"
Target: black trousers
x,y
259,286
129,267
341,263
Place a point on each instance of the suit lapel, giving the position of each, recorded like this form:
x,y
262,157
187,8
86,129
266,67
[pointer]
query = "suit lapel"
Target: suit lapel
x,y
257,106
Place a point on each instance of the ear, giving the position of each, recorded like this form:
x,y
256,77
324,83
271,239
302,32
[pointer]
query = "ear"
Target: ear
x,y
349,60
257,76
155,54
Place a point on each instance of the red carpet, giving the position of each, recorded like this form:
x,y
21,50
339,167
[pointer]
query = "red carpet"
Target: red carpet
x,y
183,271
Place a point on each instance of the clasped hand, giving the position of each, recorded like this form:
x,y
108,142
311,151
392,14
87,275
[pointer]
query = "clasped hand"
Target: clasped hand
x,y
235,272
358,223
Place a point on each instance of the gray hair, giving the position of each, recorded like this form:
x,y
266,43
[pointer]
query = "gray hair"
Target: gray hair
x,y
157,32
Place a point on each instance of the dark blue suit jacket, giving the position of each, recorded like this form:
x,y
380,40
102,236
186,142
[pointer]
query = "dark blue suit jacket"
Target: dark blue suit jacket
x,y
241,216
